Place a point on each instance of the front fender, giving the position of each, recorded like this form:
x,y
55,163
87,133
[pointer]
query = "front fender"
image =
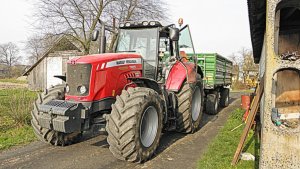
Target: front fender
x,y
178,73
146,82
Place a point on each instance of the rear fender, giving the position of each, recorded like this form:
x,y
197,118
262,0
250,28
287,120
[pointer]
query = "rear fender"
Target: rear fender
x,y
180,72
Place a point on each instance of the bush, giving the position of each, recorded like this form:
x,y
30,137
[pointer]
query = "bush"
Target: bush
x,y
15,107
19,107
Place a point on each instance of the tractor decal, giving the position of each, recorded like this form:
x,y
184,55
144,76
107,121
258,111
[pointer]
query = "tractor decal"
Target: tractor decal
x,y
121,62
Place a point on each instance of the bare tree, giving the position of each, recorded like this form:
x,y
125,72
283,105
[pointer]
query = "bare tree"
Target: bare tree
x,y
34,48
134,10
75,18
9,55
36,45
246,63
79,18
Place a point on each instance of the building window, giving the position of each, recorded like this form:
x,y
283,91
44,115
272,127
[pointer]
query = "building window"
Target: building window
x,y
286,98
287,30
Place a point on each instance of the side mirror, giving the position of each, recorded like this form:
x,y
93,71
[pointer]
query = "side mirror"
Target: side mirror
x,y
174,34
95,35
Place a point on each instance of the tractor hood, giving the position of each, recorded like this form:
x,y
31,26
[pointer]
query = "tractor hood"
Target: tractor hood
x,y
92,59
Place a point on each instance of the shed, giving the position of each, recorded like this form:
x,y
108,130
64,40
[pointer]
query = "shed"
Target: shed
x,y
53,62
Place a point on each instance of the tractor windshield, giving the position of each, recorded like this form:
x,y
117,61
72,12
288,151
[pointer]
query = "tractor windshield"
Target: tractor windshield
x,y
143,41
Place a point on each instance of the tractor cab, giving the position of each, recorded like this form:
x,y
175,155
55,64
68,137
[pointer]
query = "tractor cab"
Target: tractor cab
x,y
158,45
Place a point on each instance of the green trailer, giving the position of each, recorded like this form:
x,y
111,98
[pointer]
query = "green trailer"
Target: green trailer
x,y
217,79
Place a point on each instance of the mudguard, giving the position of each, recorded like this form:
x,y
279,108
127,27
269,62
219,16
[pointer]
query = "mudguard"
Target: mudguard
x,y
180,72
146,82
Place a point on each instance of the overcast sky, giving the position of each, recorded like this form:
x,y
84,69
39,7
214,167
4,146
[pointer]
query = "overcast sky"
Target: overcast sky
x,y
216,25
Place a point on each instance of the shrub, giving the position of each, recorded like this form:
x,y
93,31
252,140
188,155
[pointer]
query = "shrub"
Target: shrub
x,y
19,107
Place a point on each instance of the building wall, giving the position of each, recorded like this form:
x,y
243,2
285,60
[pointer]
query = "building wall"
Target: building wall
x,y
280,145
38,78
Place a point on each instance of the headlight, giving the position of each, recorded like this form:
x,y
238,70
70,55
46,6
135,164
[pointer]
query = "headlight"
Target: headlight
x,y
121,25
67,88
82,89
127,24
145,23
152,23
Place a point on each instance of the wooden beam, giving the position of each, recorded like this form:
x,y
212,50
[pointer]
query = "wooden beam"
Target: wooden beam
x,y
253,110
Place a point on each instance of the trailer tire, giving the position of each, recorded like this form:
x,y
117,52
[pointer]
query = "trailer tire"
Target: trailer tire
x,y
135,124
47,135
224,100
212,101
190,107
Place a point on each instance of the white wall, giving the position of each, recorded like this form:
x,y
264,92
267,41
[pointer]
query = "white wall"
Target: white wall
x,y
54,67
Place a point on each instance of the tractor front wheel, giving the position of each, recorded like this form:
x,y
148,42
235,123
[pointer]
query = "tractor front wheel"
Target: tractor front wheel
x,y
135,124
47,135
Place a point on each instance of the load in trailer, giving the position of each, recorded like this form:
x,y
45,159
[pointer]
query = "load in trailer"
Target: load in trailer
x,y
142,89
217,79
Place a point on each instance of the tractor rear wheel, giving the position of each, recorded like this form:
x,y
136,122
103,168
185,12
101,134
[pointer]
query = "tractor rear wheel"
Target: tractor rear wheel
x,y
212,103
135,124
47,135
190,107
224,100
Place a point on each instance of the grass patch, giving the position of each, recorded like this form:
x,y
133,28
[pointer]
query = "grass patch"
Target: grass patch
x,y
221,150
15,107
16,136
13,81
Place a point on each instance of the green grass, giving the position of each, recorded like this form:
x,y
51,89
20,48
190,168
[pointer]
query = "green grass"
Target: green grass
x,y
13,81
15,106
220,152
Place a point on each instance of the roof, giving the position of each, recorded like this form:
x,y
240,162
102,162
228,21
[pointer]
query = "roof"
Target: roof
x,y
54,47
257,20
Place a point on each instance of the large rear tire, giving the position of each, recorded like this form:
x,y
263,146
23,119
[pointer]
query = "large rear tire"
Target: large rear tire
x,y
190,107
135,124
47,135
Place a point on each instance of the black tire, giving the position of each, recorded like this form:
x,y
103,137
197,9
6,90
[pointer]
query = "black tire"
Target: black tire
x,y
123,124
186,121
224,100
47,135
212,102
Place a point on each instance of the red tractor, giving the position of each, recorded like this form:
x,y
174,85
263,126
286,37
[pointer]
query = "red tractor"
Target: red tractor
x,y
142,89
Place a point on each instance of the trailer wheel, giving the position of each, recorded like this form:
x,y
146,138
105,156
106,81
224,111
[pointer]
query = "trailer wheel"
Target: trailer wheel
x,y
224,100
135,124
190,107
47,135
212,101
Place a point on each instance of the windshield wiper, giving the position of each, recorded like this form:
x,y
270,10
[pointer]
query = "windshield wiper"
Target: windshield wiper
x,y
127,51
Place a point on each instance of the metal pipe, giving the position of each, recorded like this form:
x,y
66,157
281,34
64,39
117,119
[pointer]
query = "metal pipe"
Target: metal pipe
x,y
102,45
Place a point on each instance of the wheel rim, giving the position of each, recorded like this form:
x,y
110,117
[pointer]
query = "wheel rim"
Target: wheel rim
x,y
148,126
196,104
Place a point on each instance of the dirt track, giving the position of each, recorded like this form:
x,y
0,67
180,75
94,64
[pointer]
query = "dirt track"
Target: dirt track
x,y
175,151
8,85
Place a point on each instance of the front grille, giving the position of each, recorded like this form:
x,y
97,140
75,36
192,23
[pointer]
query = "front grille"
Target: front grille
x,y
78,75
